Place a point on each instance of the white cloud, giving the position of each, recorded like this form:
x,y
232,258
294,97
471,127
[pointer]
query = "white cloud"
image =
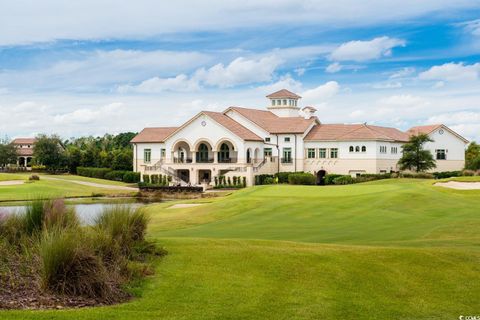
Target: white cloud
x,y
452,72
321,93
366,50
300,71
239,71
105,19
405,101
472,27
180,83
88,115
285,82
456,118
333,67
387,85
403,73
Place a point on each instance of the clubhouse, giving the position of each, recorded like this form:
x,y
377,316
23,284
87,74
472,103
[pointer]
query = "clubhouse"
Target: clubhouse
x,y
246,142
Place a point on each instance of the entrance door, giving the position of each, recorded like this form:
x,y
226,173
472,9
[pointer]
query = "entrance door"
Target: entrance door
x,y
321,177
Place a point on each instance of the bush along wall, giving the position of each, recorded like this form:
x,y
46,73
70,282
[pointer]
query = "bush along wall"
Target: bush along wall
x,y
109,174
156,180
222,182
302,178
264,179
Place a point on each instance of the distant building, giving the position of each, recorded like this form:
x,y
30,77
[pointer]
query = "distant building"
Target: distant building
x,y
249,142
24,148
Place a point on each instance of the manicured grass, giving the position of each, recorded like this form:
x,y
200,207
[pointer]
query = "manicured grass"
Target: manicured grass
x,y
10,177
63,187
393,249
93,180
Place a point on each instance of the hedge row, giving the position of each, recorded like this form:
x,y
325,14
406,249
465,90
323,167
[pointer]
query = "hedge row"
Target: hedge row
x,y
109,174
157,179
227,182
302,178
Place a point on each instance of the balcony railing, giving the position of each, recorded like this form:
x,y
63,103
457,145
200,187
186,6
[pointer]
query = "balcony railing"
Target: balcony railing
x,y
229,160
286,160
180,160
205,160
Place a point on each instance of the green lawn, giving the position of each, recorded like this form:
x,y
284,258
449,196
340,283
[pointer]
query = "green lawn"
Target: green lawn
x,y
59,188
393,249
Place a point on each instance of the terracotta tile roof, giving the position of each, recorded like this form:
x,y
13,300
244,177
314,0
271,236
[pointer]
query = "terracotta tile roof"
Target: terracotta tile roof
x,y
284,93
274,124
24,141
423,129
24,152
153,134
345,132
232,125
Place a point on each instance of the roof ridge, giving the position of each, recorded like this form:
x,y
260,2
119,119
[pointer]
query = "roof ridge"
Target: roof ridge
x,y
371,127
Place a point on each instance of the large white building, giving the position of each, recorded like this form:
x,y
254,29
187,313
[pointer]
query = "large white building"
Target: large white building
x,y
248,142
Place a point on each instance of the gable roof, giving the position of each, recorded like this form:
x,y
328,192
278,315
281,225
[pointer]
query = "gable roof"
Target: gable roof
x,y
423,129
346,132
272,123
232,125
284,93
24,141
431,128
153,134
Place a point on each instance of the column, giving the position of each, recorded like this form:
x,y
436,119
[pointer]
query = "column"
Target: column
x,y
194,157
215,156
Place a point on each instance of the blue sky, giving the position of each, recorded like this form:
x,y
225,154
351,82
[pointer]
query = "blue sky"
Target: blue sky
x,y
97,66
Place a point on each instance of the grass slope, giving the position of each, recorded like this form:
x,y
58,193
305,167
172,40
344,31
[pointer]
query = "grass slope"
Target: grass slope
x,y
397,249
62,187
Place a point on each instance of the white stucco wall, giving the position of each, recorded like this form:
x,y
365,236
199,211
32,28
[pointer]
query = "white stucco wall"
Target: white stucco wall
x,y
454,147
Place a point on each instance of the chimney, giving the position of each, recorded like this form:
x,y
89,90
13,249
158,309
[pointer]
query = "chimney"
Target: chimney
x,y
308,112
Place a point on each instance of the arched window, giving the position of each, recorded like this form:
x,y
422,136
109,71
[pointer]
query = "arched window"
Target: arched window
x,y
357,149
364,149
224,153
202,154
351,148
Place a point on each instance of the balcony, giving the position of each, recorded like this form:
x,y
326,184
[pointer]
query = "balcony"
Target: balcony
x,y
180,160
286,160
210,160
228,160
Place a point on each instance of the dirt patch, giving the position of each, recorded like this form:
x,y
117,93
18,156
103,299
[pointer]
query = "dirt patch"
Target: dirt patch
x,y
459,185
184,205
11,183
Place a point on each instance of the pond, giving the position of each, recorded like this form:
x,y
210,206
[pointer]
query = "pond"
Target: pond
x,y
87,212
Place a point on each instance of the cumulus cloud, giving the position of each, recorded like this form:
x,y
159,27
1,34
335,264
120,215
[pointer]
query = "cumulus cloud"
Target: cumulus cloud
x,y
387,85
238,72
87,115
452,72
285,82
366,50
321,93
333,67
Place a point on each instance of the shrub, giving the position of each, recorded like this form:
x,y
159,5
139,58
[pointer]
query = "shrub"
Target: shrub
x,y
345,179
447,174
57,215
154,178
244,182
269,180
93,172
39,167
261,179
330,177
131,177
234,180
146,178
123,224
416,175
116,175
34,216
282,177
34,177
216,180
70,267
468,173
302,178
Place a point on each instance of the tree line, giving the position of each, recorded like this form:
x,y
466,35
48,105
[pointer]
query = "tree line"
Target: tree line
x,y
110,151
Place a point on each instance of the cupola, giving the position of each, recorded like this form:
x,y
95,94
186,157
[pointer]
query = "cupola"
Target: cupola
x,y
284,103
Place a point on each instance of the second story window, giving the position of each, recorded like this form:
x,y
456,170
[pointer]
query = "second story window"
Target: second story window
x,y
287,139
147,155
334,153
441,154
267,152
267,139
383,149
162,153
364,149
322,153
310,153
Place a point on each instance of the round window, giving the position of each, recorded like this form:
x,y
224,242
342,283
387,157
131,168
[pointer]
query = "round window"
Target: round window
x,y
204,123
440,131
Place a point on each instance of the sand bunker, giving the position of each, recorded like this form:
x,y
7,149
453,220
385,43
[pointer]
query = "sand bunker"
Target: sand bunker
x,y
11,183
459,185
